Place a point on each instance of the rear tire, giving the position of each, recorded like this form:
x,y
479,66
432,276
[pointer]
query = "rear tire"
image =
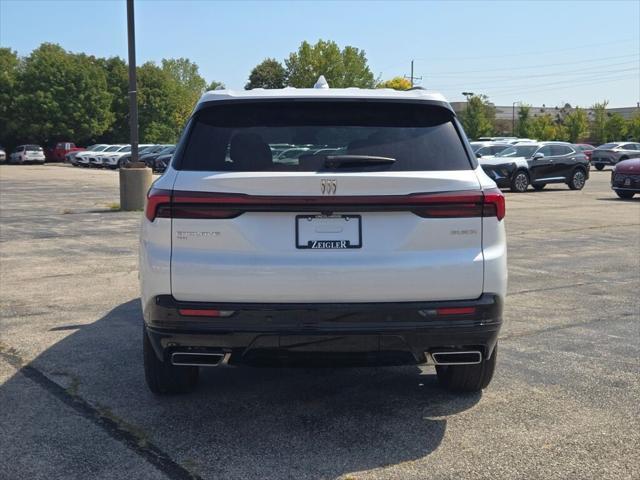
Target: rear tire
x,y
467,378
520,181
538,186
625,194
578,179
162,377
599,166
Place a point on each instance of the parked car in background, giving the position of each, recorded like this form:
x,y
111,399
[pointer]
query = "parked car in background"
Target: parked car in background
x,y
161,163
57,152
71,156
614,152
95,159
496,139
150,158
113,159
585,148
3,154
488,149
625,178
27,154
83,159
125,158
537,164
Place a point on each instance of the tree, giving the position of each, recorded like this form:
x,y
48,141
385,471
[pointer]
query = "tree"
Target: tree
x,y
545,128
156,104
186,87
8,81
267,74
524,121
346,68
215,85
397,83
478,116
633,128
599,124
616,127
576,124
118,87
61,96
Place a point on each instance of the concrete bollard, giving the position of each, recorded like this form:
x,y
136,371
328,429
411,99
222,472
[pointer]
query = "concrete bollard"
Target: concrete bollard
x,y
135,181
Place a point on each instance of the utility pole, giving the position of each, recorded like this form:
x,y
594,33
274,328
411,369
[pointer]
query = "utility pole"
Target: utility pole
x,y
412,78
133,94
135,179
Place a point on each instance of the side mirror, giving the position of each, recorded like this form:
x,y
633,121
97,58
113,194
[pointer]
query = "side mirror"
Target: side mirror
x,y
538,156
478,155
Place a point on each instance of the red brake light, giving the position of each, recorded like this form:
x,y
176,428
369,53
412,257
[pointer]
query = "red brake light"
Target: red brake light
x,y
494,204
456,310
157,200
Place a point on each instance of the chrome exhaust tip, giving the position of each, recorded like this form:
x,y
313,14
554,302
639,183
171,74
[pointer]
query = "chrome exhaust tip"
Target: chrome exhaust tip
x,y
199,359
467,357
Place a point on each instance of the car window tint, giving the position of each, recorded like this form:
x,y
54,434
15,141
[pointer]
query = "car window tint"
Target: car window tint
x,y
284,136
545,150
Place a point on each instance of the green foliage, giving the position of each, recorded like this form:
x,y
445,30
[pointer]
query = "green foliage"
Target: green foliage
x,y
341,68
523,128
397,83
599,123
616,128
117,74
267,74
478,117
8,78
576,124
633,128
61,96
185,87
215,85
545,128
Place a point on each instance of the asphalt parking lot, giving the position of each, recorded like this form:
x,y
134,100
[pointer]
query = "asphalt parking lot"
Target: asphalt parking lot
x,y
565,401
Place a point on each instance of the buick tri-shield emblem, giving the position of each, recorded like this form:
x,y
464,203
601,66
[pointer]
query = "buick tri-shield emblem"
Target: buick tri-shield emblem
x,y
328,186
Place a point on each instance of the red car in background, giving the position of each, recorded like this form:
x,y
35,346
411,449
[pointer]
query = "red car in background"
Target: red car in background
x,y
57,152
586,149
625,178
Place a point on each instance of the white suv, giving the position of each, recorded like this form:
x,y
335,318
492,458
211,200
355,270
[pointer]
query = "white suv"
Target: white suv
x,y
381,242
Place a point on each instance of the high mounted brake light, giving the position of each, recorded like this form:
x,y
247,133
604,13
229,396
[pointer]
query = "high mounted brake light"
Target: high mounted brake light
x,y
210,205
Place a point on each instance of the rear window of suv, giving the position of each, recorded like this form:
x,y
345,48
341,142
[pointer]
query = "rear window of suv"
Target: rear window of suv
x,y
300,135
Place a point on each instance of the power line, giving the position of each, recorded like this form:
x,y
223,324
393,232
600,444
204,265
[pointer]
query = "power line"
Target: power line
x,y
412,78
505,82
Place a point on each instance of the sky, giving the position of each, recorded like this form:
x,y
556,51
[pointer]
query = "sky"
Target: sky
x,y
536,52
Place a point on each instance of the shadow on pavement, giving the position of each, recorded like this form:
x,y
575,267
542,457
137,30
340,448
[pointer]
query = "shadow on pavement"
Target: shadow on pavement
x,y
245,422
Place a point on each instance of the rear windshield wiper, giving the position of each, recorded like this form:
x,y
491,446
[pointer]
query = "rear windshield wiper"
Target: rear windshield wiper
x,y
351,161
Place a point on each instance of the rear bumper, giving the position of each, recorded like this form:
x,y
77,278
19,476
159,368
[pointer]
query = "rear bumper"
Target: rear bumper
x,y
334,334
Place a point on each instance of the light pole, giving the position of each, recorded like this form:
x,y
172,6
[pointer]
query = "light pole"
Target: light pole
x,y
135,179
513,116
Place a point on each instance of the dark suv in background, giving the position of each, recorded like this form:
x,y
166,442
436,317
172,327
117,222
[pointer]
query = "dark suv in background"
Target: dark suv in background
x,y
538,164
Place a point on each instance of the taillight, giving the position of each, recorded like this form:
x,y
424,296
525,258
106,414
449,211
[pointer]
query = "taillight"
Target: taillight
x,y
494,204
211,205
157,200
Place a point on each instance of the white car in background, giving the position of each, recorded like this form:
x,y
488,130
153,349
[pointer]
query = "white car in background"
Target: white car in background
x,y
112,160
27,154
3,155
99,159
82,158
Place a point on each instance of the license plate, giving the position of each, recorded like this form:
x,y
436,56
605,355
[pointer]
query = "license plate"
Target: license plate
x,y
333,232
